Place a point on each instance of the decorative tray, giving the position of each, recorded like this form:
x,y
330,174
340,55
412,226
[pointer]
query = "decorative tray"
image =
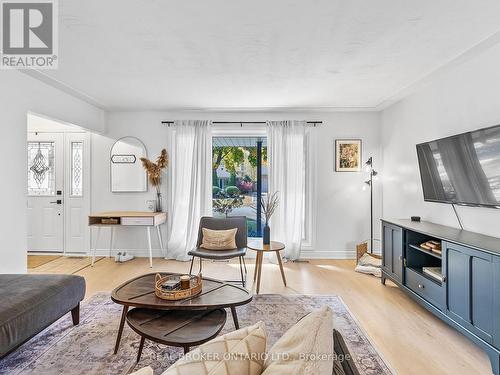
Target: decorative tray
x,y
177,294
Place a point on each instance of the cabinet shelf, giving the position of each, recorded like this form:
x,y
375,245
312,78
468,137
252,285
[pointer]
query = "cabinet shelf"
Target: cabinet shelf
x,y
425,251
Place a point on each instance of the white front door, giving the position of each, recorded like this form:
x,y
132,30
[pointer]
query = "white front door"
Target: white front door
x,y
58,192
45,189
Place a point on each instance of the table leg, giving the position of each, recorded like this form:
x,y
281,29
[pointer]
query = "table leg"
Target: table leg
x,y
256,266
259,271
235,317
111,237
149,247
160,239
281,267
120,329
95,245
141,345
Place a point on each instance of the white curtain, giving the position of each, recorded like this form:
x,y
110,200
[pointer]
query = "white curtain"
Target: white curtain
x,y
286,160
189,184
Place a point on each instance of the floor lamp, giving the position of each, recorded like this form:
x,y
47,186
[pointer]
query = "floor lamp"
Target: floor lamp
x,y
369,182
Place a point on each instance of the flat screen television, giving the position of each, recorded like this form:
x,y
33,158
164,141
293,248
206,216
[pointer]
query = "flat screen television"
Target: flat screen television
x,y
463,169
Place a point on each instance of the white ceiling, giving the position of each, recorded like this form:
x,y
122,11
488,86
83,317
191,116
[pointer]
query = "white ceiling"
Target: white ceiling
x,y
202,54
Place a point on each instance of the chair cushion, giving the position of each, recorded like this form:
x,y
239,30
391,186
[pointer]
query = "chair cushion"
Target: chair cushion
x,y
32,302
305,348
240,352
218,254
219,239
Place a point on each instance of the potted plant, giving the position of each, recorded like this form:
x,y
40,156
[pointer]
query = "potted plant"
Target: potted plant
x,y
154,171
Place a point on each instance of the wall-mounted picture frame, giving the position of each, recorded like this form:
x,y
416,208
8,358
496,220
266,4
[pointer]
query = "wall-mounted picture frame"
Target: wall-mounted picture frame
x,y
348,155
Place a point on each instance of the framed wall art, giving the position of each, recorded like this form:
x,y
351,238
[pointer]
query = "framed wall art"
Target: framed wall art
x,y
348,155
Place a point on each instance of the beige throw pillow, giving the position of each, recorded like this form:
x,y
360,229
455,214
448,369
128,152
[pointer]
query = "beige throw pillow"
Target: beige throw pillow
x,y
241,352
306,348
219,239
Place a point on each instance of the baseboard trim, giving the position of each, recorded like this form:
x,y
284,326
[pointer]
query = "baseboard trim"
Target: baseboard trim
x,y
139,253
318,254
305,254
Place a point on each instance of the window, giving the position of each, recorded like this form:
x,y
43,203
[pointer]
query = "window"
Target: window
x,y
41,171
77,169
240,178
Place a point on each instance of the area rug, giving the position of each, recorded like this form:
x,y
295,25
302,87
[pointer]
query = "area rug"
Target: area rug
x,y
88,348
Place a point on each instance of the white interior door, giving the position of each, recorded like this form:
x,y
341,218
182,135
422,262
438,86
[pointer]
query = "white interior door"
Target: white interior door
x,y
45,173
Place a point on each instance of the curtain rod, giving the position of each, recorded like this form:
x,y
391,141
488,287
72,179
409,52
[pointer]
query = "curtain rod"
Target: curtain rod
x,y
314,123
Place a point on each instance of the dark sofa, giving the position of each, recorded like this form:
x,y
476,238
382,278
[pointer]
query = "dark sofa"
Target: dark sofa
x,y
30,303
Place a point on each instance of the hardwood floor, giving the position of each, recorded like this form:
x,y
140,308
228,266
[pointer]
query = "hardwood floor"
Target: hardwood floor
x,y
410,339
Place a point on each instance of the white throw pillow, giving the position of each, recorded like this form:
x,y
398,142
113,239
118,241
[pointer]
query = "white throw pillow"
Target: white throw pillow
x,y
241,352
144,371
306,348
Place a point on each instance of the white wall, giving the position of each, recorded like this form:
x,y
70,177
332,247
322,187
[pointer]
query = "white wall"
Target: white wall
x,y
20,94
342,207
463,98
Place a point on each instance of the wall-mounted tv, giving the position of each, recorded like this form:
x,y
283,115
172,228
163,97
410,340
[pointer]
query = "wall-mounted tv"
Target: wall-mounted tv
x,y
463,169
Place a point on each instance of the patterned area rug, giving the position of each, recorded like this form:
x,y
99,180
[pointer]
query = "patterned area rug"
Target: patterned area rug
x,y
88,348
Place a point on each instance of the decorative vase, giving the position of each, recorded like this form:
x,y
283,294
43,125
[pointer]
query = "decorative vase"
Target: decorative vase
x,y
158,207
266,236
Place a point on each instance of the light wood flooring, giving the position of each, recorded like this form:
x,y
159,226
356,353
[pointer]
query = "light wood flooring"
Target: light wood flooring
x,y
409,338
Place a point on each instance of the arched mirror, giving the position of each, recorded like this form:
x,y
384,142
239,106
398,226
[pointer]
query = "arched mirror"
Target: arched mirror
x,y
127,173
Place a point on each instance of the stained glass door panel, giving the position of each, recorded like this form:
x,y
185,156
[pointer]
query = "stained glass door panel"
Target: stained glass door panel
x,y
41,168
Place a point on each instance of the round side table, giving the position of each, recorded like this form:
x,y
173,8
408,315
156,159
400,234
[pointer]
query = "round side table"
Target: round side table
x,y
260,248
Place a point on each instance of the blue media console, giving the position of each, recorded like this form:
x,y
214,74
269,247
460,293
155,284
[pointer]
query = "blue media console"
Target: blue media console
x,y
467,296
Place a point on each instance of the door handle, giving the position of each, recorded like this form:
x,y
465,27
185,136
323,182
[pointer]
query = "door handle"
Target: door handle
x,y
421,286
59,201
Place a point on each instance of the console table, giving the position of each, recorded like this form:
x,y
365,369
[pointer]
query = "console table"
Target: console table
x,y
113,219
467,293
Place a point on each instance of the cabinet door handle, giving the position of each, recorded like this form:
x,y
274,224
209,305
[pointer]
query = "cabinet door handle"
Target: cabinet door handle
x,y
421,286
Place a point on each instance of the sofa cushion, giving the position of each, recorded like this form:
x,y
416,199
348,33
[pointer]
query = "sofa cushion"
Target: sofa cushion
x,y
240,352
306,348
32,302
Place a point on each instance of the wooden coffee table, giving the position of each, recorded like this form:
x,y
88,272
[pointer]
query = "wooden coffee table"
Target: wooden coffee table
x,y
184,328
260,248
140,292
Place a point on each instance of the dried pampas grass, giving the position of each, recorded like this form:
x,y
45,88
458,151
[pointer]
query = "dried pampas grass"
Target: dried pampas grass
x,y
154,170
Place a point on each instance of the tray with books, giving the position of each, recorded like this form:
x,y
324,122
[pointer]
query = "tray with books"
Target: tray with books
x,y
433,246
169,287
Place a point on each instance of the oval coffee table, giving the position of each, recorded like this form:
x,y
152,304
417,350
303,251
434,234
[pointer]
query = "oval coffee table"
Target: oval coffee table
x,y
183,328
140,292
260,248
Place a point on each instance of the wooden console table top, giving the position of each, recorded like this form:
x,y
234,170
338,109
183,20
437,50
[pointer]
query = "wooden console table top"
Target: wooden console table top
x,y
127,214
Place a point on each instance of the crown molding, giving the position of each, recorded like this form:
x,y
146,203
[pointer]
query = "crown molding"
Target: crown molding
x,y
244,109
